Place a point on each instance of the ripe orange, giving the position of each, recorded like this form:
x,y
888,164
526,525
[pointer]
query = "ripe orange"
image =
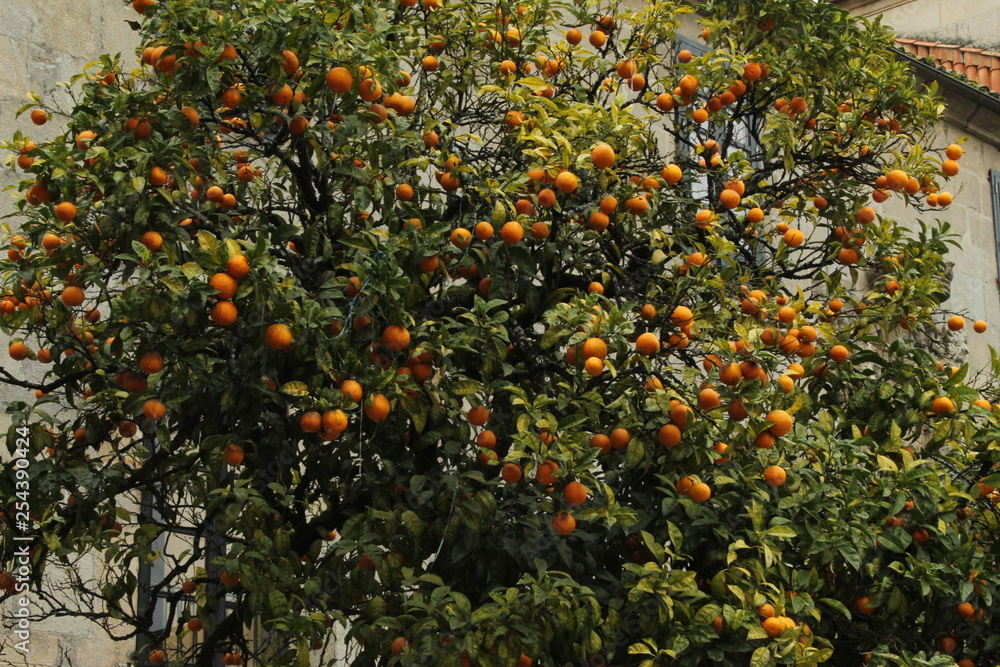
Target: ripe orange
x,y
39,116
225,285
229,579
627,69
619,438
333,421
479,415
602,156
896,179
156,657
511,473
567,182
72,296
965,610
647,344
339,80
575,493
152,240
775,475
66,211
154,409
839,353
773,626
942,404
597,39
699,492
564,523
751,72
794,238
956,322
594,347
865,215
398,644
395,338
278,336
601,442
979,326
594,366
351,390
669,435
781,423
484,231
224,313
512,232
378,409
636,205
311,422
729,199
708,399
953,152
151,362
238,266
950,168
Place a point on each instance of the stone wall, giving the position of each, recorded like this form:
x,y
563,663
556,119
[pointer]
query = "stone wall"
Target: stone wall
x,y
43,42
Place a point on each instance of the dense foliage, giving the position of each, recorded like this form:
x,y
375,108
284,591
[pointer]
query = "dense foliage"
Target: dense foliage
x,y
497,332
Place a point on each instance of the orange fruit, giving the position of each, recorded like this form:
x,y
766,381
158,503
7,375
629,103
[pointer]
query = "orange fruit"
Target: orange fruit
x,y
567,182
669,435
620,438
865,215
378,409
339,80
942,404
601,442
238,266
751,72
781,423
729,199
956,322
40,117
708,399
684,485
224,284
151,362
223,313
484,231
979,326
487,439
156,657
594,347
965,610
512,232
511,473
953,152
333,421
154,409
479,415
699,492
311,422
839,353
627,68
395,338
950,168
152,240
647,344
602,156
398,644
66,211
896,179
278,336
594,366
351,390
671,174
575,493
775,475
794,238
72,296
564,523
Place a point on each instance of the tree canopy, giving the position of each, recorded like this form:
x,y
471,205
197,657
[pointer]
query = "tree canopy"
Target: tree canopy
x,y
496,333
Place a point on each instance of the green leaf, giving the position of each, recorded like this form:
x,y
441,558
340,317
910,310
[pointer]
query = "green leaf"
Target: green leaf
x,y
295,388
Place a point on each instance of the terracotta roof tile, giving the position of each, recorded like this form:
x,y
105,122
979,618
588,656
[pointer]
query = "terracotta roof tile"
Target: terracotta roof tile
x,y
979,66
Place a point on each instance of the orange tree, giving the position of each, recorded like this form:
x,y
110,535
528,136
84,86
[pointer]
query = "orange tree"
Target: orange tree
x,y
495,333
